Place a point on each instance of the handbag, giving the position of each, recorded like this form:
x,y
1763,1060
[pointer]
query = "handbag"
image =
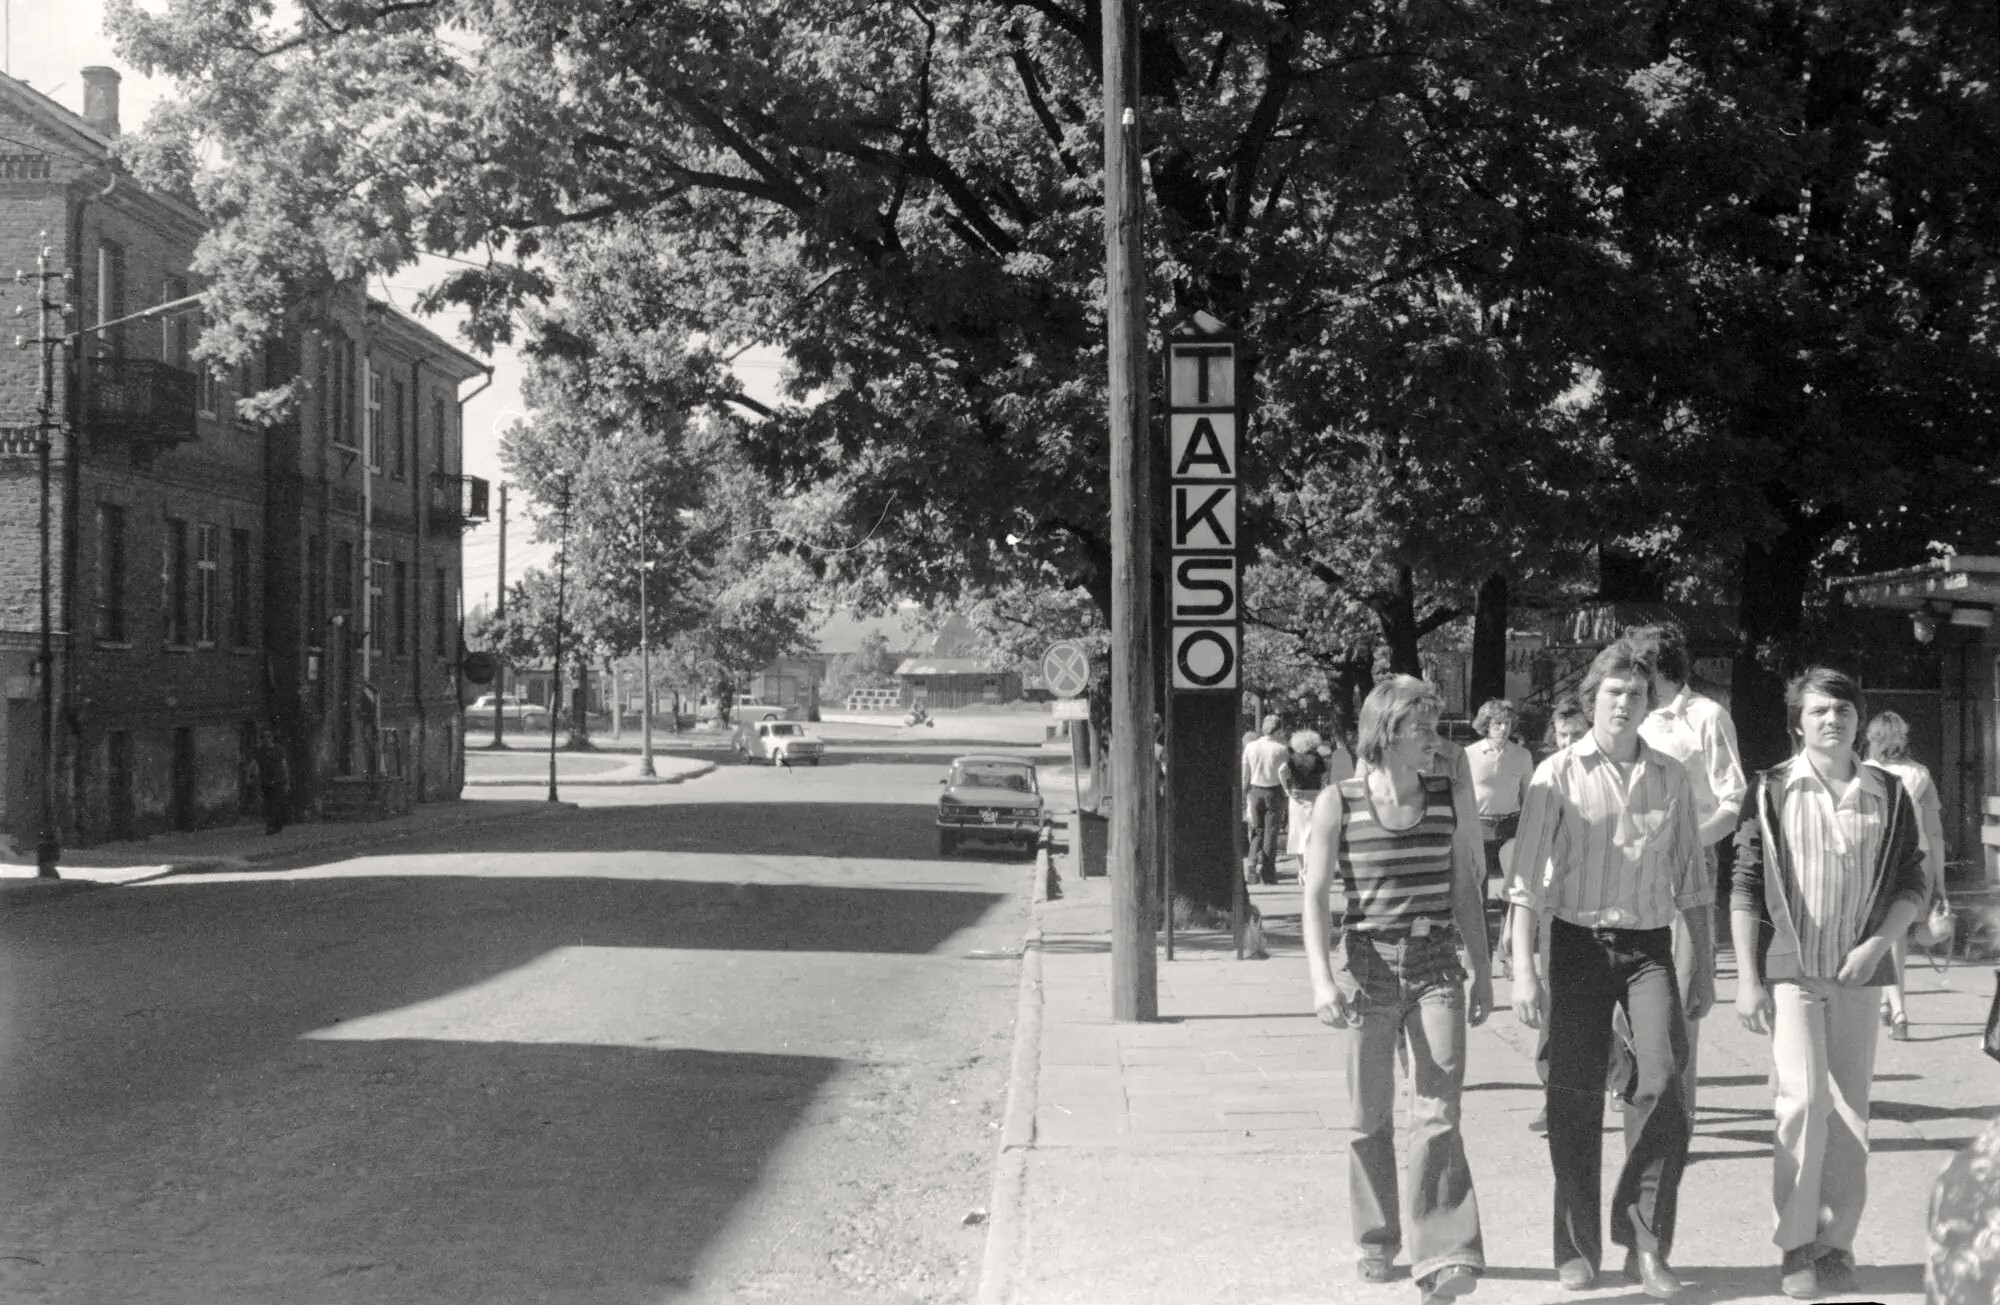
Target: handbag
x,y
1938,927
1990,1044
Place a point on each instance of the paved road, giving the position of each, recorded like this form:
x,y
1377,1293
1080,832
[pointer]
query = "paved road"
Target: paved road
x,y
742,1038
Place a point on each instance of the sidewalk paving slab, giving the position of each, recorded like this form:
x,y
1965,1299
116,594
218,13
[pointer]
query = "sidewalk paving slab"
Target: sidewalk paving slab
x,y
1203,1157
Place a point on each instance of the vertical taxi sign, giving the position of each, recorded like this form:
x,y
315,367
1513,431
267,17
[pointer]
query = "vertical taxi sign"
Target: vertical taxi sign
x,y
1204,585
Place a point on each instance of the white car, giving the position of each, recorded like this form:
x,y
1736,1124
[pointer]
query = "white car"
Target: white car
x,y
780,742
513,710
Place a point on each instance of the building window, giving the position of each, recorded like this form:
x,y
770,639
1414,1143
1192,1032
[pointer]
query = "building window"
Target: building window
x,y
377,567
315,592
399,595
239,588
373,426
174,564
206,558
111,572
399,432
345,417
176,330
440,598
343,577
111,294
440,437
210,389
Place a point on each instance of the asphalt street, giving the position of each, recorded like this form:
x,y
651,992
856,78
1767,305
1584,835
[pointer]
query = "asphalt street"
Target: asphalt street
x,y
744,1037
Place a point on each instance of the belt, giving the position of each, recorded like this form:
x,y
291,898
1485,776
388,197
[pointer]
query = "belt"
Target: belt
x,y
1403,932
1611,920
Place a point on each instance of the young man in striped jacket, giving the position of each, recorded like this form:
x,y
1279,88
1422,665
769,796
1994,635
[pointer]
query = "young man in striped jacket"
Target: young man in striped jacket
x,y
1829,872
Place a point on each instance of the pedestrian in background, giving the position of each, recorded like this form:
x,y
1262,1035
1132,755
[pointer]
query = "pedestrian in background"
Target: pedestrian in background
x,y
1609,854
1695,731
1403,845
1828,874
1313,766
1568,722
1500,769
1889,748
273,778
1264,762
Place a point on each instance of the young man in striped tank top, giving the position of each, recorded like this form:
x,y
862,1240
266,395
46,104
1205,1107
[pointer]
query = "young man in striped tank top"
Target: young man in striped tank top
x,y
1608,855
1405,848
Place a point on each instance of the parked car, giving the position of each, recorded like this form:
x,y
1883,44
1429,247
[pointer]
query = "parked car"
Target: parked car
x,y
989,797
780,742
513,711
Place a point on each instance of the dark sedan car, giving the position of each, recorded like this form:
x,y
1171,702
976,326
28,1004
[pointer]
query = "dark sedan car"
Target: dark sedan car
x,y
993,798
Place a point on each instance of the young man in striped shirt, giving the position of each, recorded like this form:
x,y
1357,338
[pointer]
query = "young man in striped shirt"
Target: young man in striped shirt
x,y
1608,854
1829,872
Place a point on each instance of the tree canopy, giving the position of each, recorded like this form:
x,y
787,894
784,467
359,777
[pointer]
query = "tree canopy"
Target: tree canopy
x,y
1521,281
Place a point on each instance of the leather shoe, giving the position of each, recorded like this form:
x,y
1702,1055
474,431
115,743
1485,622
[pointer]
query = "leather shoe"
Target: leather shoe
x,y
1652,1275
1798,1276
1836,1272
1577,1275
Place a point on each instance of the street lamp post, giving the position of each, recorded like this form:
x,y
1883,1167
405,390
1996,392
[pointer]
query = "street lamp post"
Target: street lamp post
x,y
645,650
555,677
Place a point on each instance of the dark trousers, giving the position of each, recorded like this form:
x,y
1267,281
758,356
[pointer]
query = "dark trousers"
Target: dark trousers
x,y
1267,810
1591,973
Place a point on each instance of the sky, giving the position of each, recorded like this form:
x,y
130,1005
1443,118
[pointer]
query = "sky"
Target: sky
x,y
48,43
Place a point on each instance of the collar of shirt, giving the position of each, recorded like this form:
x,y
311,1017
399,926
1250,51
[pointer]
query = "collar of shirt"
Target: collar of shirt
x,y
1868,780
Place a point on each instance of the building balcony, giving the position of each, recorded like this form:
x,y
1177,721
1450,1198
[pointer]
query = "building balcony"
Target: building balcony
x,y
456,502
142,400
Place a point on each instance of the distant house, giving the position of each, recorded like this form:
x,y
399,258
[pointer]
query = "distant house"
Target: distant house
x,y
949,672
797,681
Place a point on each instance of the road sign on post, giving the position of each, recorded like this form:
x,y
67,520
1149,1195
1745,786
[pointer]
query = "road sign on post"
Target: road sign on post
x,y
1066,669
1204,430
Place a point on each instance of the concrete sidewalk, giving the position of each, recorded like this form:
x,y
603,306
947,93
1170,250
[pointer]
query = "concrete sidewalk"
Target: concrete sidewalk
x,y
1202,1158
237,847
523,767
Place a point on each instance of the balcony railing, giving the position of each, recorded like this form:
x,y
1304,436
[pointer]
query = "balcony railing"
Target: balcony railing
x,y
139,399
457,501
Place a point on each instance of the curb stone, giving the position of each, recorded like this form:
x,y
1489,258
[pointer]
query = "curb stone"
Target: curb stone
x,y
1017,1130
612,781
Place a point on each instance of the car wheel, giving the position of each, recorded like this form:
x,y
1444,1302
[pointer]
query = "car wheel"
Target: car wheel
x,y
947,843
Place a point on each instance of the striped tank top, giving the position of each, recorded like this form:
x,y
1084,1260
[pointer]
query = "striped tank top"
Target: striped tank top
x,y
1395,877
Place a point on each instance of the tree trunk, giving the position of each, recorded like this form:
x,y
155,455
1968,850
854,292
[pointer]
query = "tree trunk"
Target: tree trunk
x,y
1489,641
1770,616
1397,610
579,718
617,700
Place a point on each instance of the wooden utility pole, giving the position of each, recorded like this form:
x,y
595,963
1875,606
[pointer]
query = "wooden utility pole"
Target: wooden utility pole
x,y
555,673
1134,769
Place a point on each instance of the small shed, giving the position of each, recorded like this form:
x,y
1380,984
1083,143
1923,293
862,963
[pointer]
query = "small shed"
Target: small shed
x,y
957,681
1950,602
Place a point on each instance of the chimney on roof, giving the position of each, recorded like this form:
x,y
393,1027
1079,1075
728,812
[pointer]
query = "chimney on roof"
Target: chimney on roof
x,y
100,100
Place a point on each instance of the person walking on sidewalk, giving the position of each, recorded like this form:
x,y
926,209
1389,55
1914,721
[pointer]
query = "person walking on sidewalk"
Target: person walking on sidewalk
x,y
1264,764
1610,852
1501,769
1829,873
274,789
1889,748
1312,767
1568,722
1404,846
1695,731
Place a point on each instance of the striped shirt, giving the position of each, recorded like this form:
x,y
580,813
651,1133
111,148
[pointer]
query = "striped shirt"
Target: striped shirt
x,y
1616,847
1829,871
1395,877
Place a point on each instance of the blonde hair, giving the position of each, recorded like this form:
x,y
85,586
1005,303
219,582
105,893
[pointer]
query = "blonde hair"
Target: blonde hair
x,y
1390,705
1888,737
1305,740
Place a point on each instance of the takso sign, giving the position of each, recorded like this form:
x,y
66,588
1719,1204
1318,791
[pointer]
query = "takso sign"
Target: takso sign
x,y
1204,594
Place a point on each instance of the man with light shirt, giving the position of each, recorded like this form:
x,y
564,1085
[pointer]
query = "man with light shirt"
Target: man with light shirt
x,y
1500,770
1697,732
1829,873
1264,762
1608,855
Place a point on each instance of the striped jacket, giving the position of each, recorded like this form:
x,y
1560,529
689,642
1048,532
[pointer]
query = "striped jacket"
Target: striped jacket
x,y
1898,874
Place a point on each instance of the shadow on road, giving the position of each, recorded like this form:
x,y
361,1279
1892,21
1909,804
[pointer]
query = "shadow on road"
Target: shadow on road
x,y
873,831
377,1087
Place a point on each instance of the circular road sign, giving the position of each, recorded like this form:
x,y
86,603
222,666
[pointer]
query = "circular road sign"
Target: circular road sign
x,y
1066,669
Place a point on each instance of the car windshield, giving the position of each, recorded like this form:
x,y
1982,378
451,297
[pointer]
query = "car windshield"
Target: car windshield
x,y
786,730
1013,779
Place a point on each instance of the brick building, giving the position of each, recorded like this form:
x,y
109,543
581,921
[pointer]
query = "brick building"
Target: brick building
x,y
211,573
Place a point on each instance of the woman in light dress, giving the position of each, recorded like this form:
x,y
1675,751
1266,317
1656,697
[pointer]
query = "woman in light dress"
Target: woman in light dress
x,y
1315,765
1889,748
